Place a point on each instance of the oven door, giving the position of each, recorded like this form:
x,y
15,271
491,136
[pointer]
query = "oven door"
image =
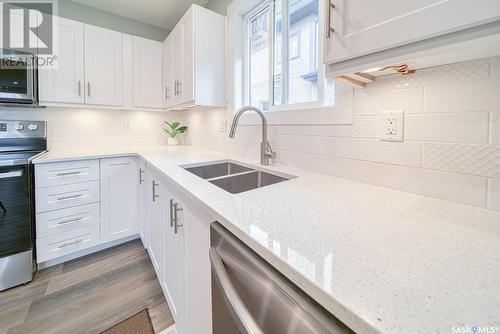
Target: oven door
x,y
17,78
16,234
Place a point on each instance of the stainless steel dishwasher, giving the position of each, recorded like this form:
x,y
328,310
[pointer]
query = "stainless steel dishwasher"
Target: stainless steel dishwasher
x,y
251,297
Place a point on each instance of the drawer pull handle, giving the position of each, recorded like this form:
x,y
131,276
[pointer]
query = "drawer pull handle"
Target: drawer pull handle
x,y
71,243
69,221
155,196
69,197
68,173
176,209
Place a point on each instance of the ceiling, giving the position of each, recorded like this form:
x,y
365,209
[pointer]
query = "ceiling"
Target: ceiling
x,y
161,13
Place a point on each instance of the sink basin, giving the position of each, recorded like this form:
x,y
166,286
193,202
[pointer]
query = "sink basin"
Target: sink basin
x,y
217,170
235,178
243,182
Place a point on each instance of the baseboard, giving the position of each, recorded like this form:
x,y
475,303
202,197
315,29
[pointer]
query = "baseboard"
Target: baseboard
x,y
87,251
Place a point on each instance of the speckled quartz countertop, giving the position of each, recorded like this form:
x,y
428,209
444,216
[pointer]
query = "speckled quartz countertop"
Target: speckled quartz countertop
x,y
382,261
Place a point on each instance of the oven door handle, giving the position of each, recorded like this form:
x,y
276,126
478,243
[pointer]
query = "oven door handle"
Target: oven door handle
x,y
14,173
239,311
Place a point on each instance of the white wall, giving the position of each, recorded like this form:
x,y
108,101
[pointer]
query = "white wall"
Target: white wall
x,y
452,135
69,129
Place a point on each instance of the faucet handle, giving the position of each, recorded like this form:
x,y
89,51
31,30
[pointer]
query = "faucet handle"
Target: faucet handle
x,y
269,152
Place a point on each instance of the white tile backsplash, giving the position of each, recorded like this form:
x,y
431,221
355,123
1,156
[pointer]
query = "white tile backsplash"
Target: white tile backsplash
x,y
448,127
451,135
482,95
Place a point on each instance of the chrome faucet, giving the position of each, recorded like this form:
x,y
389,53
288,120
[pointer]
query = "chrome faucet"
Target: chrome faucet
x,y
266,151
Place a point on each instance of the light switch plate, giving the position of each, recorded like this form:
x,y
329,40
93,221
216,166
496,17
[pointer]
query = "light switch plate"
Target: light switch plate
x,y
391,125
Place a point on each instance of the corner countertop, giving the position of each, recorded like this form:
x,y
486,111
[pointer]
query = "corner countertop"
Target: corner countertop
x,y
380,260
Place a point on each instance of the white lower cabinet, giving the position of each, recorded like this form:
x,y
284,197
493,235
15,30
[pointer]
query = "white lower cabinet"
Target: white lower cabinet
x,y
119,197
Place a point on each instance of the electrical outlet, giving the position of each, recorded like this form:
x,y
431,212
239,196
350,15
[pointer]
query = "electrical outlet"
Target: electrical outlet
x,y
126,125
391,125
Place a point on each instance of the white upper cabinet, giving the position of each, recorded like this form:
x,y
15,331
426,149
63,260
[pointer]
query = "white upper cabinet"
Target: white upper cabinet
x,y
119,197
103,66
364,27
65,81
198,60
148,79
168,91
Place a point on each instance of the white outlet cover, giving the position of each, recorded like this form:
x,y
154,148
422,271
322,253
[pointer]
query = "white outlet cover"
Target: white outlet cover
x,y
391,125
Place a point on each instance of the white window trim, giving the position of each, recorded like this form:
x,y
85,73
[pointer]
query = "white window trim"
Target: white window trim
x,y
303,113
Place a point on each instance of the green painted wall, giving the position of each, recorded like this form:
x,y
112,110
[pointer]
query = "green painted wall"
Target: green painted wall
x,y
81,13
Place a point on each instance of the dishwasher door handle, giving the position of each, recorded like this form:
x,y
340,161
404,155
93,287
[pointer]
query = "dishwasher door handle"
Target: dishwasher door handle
x,y
233,300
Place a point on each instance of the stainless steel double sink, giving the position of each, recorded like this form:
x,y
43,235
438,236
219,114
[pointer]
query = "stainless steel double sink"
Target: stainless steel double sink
x,y
235,177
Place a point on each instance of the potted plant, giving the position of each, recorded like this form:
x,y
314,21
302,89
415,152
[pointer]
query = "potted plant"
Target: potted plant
x,y
174,129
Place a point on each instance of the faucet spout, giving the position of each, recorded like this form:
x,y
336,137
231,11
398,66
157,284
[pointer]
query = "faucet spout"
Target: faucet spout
x,y
266,152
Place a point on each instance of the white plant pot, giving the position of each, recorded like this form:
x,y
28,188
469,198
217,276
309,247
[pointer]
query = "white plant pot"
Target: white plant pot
x,y
172,141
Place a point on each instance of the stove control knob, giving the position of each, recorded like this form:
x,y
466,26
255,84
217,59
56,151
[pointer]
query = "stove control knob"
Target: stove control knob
x,y
32,127
19,127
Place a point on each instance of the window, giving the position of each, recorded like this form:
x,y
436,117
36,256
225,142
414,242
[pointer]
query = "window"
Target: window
x,y
282,56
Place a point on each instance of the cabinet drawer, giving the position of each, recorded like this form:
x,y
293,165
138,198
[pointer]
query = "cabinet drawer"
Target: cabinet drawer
x,y
58,173
68,195
51,247
64,220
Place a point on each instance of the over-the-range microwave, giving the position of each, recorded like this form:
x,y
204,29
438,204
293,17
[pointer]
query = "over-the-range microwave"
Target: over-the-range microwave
x,y
18,78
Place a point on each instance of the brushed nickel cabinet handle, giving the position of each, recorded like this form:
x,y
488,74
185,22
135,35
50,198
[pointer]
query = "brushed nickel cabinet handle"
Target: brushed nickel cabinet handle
x,y
329,29
69,197
71,243
79,88
140,176
176,209
171,212
68,173
155,196
69,221
88,88
180,88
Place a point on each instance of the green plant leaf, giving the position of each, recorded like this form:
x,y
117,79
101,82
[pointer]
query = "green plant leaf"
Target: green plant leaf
x,y
170,125
169,133
174,133
175,125
182,129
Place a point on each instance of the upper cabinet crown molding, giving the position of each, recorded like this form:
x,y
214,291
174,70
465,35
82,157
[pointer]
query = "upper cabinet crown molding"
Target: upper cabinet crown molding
x,y
195,61
363,34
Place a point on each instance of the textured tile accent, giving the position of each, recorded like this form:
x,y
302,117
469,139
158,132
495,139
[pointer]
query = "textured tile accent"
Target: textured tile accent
x,y
480,95
495,128
440,75
470,128
494,194
362,127
372,102
483,160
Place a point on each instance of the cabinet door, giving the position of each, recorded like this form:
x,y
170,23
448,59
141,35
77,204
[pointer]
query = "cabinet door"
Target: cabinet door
x,y
63,82
176,63
174,274
365,26
148,81
156,217
186,81
103,66
119,197
143,191
168,82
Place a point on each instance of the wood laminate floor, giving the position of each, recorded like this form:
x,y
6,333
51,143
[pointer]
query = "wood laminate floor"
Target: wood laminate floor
x,y
87,295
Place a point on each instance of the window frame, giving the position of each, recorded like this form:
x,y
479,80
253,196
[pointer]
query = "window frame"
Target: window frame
x,y
284,105
340,113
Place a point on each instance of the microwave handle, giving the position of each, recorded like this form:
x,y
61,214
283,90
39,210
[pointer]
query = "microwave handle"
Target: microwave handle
x,y
14,173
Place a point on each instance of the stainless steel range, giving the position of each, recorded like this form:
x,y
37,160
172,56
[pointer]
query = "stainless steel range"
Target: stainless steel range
x,y
20,141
